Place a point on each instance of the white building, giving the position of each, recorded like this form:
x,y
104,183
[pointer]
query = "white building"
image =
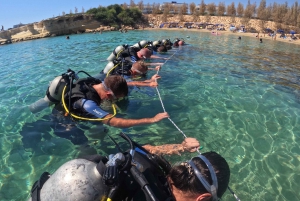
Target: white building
x,y
174,7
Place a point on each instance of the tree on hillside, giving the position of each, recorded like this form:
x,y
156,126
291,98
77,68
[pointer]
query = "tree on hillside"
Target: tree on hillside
x,y
124,6
63,13
140,4
298,21
231,11
196,16
261,9
76,10
71,12
240,10
165,14
211,8
184,8
180,14
82,10
116,7
192,8
293,14
264,14
221,9
279,12
202,8
155,9
132,4
250,10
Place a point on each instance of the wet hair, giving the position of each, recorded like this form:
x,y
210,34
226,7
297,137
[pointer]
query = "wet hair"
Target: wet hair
x,y
162,49
117,84
146,52
184,178
140,66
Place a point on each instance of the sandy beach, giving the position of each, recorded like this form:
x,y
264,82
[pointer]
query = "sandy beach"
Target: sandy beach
x,y
238,34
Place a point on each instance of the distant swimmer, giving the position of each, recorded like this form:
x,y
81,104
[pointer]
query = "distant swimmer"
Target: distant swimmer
x,y
260,40
239,38
67,37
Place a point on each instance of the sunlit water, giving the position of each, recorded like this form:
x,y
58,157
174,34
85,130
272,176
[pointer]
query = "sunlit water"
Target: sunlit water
x,y
238,97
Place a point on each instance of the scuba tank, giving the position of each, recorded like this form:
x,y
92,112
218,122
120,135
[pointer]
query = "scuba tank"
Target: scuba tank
x,y
54,91
97,178
156,43
141,44
116,51
167,42
53,95
78,179
108,67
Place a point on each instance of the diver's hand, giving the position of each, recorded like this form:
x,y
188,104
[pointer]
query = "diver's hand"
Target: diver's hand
x,y
159,117
190,144
153,84
155,77
157,68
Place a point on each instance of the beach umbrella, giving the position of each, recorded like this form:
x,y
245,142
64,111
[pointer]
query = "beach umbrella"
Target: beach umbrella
x,y
292,32
280,31
232,28
242,26
268,30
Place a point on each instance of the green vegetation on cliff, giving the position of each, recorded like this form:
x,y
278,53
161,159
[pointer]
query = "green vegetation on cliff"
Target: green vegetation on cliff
x,y
115,15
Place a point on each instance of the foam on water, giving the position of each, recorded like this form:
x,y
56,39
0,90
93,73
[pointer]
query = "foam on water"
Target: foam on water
x,y
238,97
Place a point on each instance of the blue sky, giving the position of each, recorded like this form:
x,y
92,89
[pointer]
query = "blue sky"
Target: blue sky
x,y
27,11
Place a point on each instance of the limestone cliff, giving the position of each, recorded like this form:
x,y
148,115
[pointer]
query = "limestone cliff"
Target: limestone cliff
x,y
55,26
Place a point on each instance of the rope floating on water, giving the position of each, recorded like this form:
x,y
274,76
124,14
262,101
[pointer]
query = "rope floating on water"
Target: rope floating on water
x,y
162,104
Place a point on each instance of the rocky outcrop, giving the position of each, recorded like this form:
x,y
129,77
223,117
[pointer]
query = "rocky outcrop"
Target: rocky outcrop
x,y
51,27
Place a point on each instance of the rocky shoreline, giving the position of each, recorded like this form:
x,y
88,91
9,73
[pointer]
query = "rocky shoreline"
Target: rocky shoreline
x,y
84,23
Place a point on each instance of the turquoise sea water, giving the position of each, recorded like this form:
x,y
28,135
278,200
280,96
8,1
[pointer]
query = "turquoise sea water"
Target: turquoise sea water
x,y
237,97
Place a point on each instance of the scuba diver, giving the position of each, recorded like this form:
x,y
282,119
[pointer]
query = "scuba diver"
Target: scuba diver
x,y
83,99
136,175
178,43
131,71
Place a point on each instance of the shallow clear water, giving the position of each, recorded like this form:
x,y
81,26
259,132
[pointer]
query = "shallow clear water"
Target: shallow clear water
x,y
239,98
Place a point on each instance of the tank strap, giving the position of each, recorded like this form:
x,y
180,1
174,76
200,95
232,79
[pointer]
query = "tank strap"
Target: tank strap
x,y
37,186
50,97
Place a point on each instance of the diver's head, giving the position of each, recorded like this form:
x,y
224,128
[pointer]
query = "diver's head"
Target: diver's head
x,y
195,179
139,68
144,53
162,49
116,85
180,43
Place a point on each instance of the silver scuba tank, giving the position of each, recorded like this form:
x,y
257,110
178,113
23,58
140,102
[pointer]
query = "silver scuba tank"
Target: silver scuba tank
x,y
77,179
157,42
108,67
116,51
53,95
140,44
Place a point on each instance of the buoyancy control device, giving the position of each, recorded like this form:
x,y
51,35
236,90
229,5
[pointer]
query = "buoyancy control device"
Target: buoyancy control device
x,y
54,91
